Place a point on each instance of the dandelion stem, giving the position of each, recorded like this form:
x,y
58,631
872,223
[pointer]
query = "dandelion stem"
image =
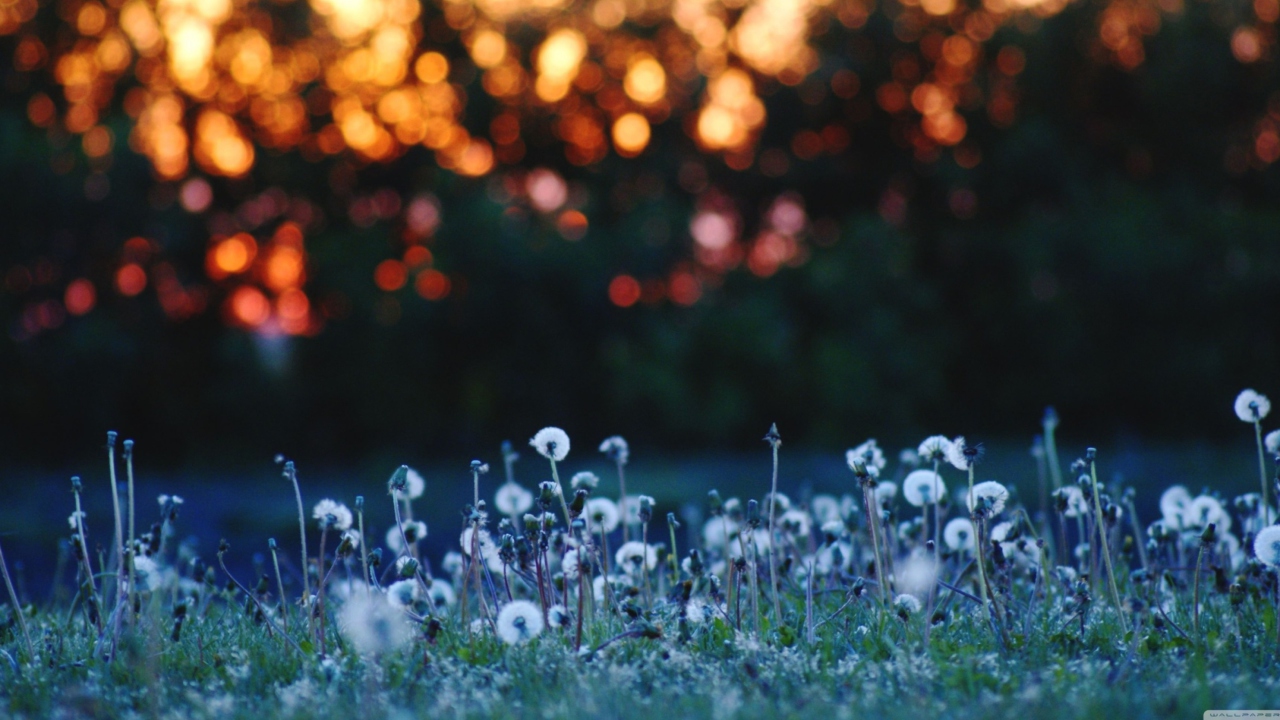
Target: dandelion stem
x,y
868,496
128,466
258,604
84,554
364,547
275,561
644,565
1105,546
1195,602
291,472
1262,475
979,545
17,609
622,499
1051,452
324,534
555,475
773,502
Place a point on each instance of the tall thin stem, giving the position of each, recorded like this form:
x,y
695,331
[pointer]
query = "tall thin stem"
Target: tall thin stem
x,y
978,545
1104,545
115,506
324,534
275,560
128,467
868,497
1262,475
17,609
622,500
773,502
291,472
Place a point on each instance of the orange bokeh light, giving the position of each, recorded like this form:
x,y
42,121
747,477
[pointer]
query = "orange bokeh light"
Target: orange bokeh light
x,y
249,306
390,275
432,284
231,255
624,291
80,296
131,279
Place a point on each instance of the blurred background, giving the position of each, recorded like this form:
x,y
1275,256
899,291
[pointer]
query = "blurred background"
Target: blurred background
x,y
365,232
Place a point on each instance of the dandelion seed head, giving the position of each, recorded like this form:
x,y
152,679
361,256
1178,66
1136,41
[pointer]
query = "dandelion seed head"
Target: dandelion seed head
x,y
1250,406
906,603
869,455
935,448
796,522
989,496
512,499
551,443
958,534
1266,545
414,530
1272,442
1173,505
632,555
146,573
332,515
616,449
557,616
414,486
75,518
441,594
963,456
603,514
519,621
1206,509
403,593
917,575
923,487
1073,500
584,479
373,625
825,508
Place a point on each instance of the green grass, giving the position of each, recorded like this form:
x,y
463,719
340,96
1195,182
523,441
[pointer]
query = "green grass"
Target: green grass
x,y
864,660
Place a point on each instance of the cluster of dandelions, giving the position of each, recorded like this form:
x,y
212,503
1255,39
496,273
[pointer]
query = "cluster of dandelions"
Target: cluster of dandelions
x,y
921,537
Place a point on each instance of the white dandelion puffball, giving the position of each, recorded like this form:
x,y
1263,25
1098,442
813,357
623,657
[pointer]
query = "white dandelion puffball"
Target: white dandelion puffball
x,y
146,573
512,499
1252,407
570,565
603,514
918,575
332,515
1206,509
1077,505
795,522
551,443
373,625
414,530
718,530
518,621
910,604
414,486
585,479
441,594
934,448
1272,442
869,455
634,554
558,616
959,534
825,508
1266,545
1173,506
75,518
956,456
885,492
923,487
484,540
403,593
616,449
991,494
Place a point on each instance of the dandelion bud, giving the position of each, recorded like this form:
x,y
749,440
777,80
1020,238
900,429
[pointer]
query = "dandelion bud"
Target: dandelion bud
x,y
530,523
479,468
695,562
753,513
1209,536
223,546
772,437
1091,454
375,558
715,503
929,545
111,439
75,483
646,508
579,502
407,567
671,520
1050,419
1078,466
271,544
399,479
127,452
547,492
359,503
